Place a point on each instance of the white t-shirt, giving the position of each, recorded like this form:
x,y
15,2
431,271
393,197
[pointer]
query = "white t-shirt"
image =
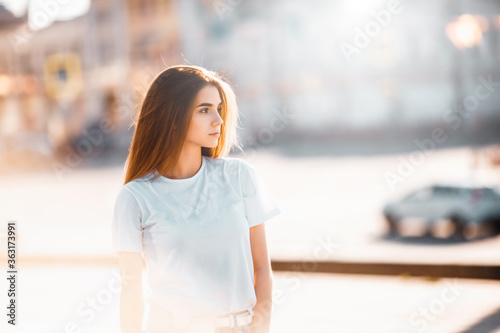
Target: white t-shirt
x,y
194,233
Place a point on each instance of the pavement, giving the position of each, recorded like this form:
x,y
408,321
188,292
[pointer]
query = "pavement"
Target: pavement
x,y
331,213
85,300
331,209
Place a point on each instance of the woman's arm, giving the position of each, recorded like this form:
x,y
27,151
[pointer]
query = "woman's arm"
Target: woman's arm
x,y
263,279
131,301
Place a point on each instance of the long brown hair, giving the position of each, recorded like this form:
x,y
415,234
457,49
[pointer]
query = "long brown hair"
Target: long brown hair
x,y
162,123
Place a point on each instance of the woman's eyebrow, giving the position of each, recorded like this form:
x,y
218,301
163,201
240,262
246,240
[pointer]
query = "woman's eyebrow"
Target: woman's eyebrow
x,y
207,104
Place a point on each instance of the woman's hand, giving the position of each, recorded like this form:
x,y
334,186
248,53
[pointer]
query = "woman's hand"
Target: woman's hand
x,y
131,302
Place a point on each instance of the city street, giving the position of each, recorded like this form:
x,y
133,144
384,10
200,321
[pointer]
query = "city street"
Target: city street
x,y
330,212
375,126
51,298
331,209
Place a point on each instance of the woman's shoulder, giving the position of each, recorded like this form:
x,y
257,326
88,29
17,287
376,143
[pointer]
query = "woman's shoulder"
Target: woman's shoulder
x,y
222,168
227,160
229,163
135,186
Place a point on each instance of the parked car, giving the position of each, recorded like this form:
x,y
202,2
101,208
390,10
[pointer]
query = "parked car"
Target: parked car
x,y
463,205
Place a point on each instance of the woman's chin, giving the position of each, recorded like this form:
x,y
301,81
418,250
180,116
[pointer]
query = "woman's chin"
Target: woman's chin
x,y
213,145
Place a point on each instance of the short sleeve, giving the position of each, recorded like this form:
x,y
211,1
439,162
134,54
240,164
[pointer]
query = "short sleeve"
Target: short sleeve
x,y
127,231
260,204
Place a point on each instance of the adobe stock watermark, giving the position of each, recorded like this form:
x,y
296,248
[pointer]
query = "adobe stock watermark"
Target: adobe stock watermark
x,y
277,123
455,116
48,10
147,80
363,37
200,201
324,247
91,141
222,7
430,312
96,303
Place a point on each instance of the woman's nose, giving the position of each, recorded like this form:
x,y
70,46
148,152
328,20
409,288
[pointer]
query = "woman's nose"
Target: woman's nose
x,y
218,119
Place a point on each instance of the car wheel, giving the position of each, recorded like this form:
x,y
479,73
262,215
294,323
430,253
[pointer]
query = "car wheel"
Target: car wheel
x,y
459,226
490,227
495,225
392,225
429,228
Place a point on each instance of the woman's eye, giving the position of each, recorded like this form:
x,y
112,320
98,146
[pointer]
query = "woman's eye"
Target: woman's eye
x,y
207,110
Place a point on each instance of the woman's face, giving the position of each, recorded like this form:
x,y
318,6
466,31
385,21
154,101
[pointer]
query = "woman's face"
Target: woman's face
x,y
206,118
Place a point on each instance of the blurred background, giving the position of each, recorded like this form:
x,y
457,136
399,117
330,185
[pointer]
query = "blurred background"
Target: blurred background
x,y
376,125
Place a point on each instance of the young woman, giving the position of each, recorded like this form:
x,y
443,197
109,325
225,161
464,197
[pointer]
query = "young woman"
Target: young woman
x,y
194,214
